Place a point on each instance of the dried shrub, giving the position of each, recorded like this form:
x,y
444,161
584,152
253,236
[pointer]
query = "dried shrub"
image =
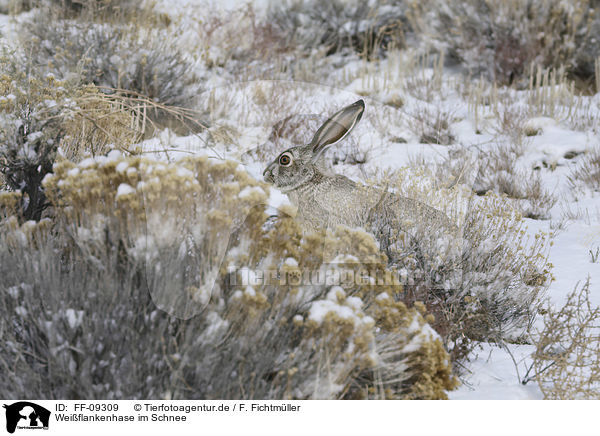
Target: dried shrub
x,y
512,124
433,127
368,28
15,6
424,78
567,359
500,39
550,94
499,171
587,172
482,281
351,259
140,12
146,197
113,56
240,41
97,124
136,290
30,133
40,115
25,158
10,204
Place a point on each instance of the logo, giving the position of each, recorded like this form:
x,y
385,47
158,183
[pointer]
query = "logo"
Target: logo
x,y
26,415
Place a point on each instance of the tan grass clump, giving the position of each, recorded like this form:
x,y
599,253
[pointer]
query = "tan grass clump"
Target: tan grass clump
x,y
144,203
372,344
89,121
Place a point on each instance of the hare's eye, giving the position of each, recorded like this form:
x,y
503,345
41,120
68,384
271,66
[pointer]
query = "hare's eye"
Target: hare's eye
x,y
285,160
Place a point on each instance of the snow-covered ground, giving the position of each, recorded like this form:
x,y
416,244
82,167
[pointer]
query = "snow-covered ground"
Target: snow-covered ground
x,y
493,372
493,375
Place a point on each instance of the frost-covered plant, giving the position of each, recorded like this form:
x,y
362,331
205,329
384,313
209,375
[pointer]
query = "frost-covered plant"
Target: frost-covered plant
x,y
146,197
30,133
587,172
113,11
340,294
116,56
26,156
567,359
433,127
369,28
39,116
16,6
77,6
500,39
137,290
239,40
482,282
499,170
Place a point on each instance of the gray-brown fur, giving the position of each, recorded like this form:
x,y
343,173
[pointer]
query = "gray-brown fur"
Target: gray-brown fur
x,y
325,200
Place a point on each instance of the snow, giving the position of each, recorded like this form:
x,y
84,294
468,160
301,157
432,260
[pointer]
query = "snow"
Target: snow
x,y
124,189
13,291
572,261
122,167
337,304
354,302
87,163
114,155
74,317
73,172
249,190
320,309
290,261
184,172
492,375
539,124
335,293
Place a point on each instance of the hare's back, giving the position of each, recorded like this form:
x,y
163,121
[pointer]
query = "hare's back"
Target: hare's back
x,y
404,211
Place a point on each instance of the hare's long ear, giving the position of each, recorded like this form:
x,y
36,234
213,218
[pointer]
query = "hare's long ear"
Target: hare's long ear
x,y
336,127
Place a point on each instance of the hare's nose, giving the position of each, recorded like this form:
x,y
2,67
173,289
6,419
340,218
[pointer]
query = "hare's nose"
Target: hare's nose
x,y
267,175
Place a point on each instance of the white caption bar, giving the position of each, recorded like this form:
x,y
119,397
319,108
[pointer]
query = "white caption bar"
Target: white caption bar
x,y
23,417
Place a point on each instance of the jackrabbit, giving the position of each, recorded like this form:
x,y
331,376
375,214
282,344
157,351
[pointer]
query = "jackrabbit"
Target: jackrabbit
x,y
326,200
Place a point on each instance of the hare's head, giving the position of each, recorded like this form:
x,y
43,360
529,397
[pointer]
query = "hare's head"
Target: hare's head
x,y
298,165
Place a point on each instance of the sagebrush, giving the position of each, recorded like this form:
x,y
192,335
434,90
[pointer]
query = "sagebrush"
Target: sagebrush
x,y
567,359
135,289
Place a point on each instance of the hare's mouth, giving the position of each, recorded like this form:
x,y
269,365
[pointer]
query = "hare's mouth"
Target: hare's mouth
x,y
268,176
